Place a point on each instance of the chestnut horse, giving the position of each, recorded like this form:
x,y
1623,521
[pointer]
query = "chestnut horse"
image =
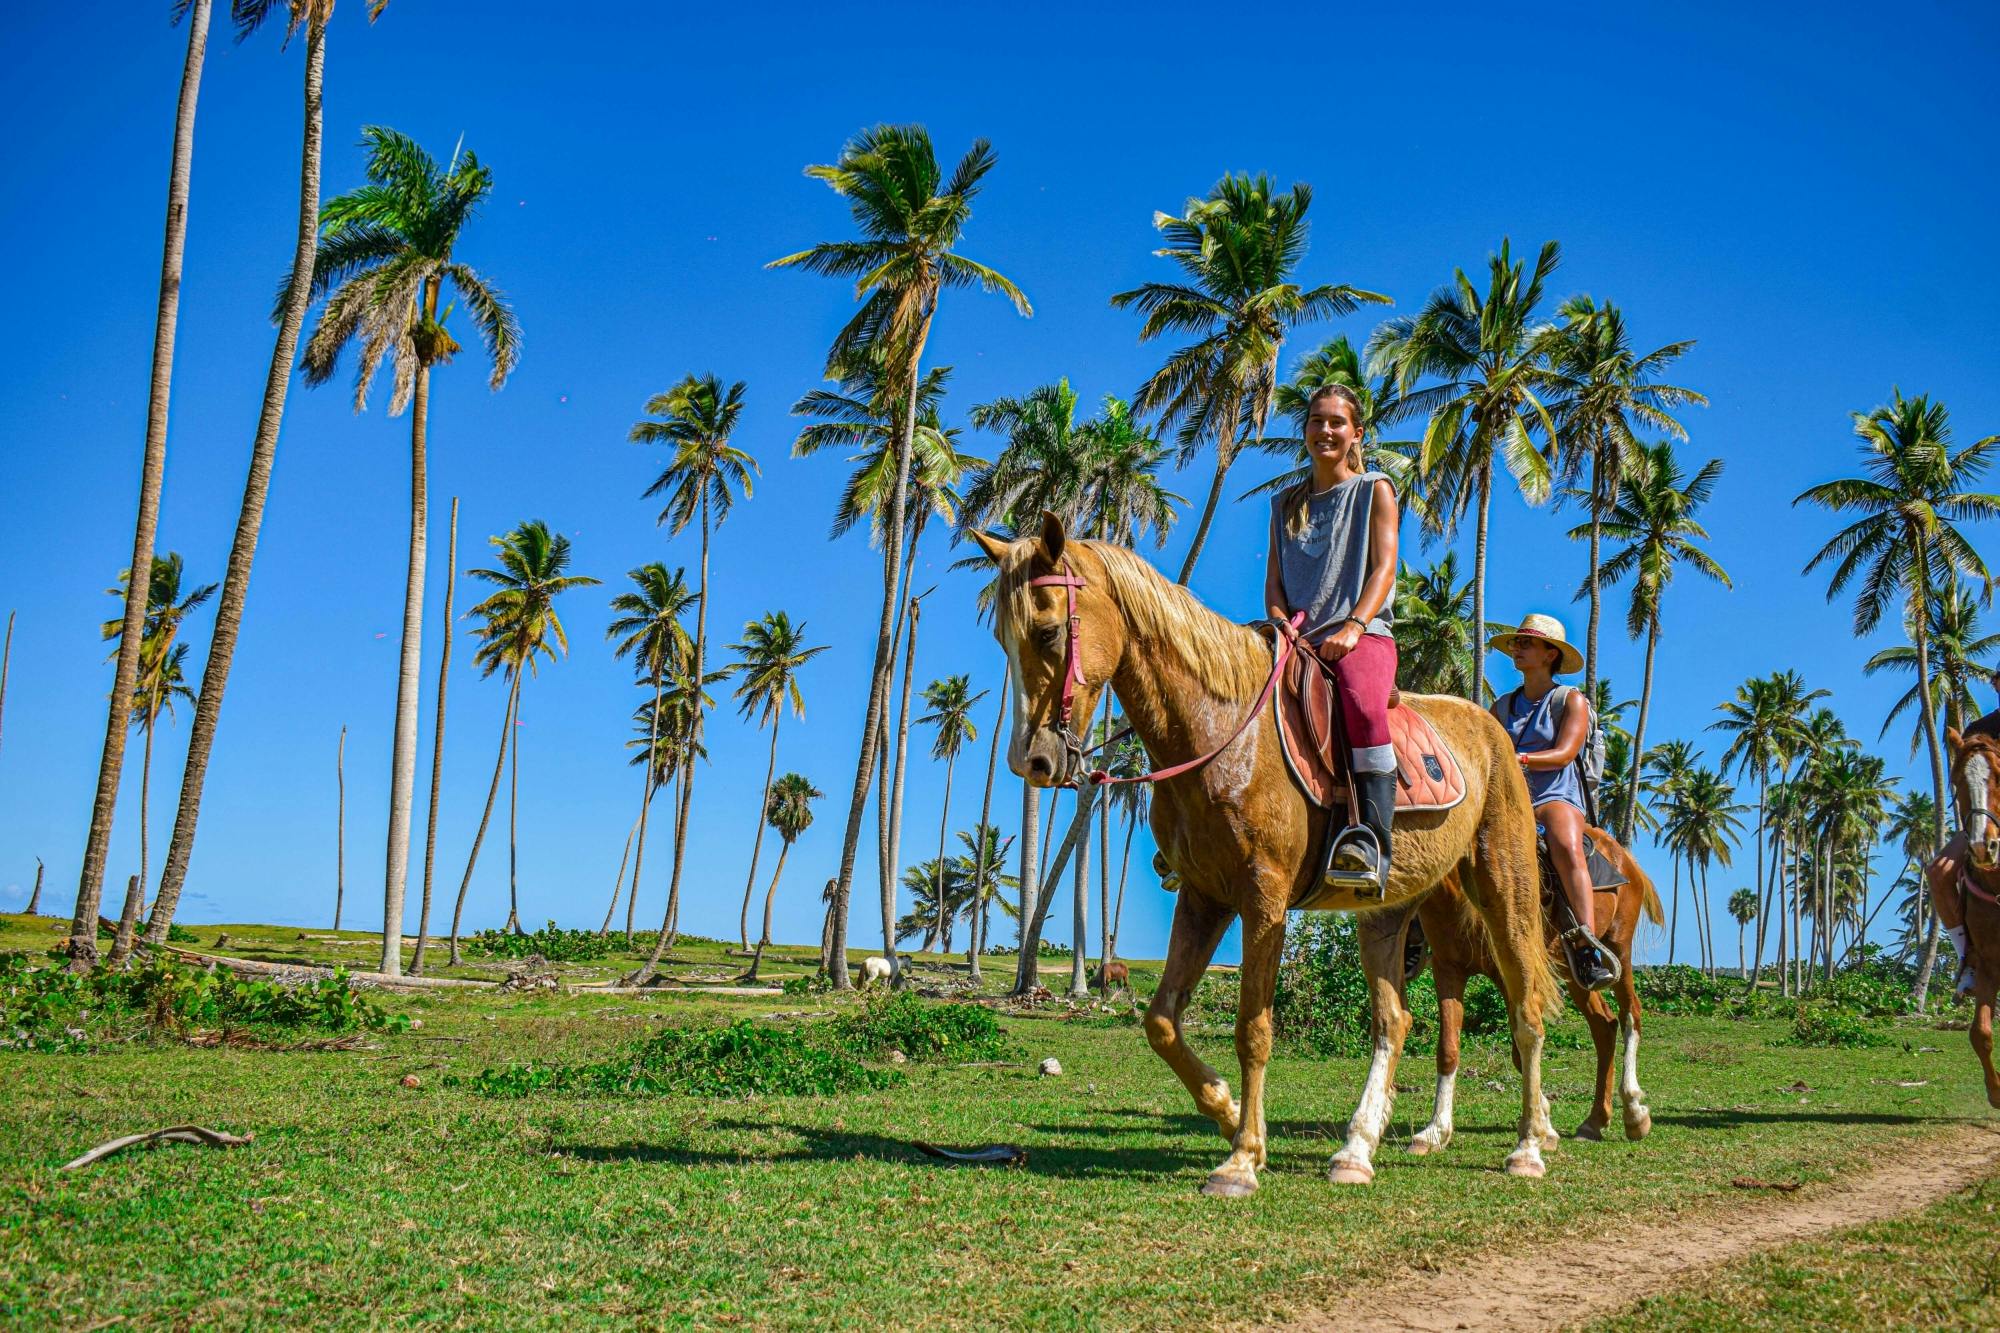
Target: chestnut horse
x,y
1076,617
1458,951
1975,772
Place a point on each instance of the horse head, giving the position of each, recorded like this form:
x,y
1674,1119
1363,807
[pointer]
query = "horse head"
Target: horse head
x,y
1064,636
1975,764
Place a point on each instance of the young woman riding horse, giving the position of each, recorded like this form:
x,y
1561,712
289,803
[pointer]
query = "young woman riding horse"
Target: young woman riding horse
x,y
1975,765
1945,868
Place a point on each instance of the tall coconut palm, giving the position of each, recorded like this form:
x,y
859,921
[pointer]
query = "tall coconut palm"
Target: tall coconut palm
x,y
437,745
518,624
1339,362
936,896
1238,252
162,682
312,16
1762,721
911,216
152,476
985,852
385,261
1703,829
950,701
647,626
1604,394
166,609
695,420
1433,623
788,808
976,931
769,660
1960,657
1743,906
1913,494
1125,758
678,747
1654,517
1486,357
1666,774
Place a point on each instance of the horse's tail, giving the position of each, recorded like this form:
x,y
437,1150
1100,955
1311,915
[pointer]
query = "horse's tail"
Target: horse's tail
x,y
1655,911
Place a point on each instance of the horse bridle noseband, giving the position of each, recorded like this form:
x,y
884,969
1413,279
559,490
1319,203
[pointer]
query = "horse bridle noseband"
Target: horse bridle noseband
x,y
1072,676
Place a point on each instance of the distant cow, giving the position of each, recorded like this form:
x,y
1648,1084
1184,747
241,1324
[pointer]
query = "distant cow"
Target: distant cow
x,y
875,969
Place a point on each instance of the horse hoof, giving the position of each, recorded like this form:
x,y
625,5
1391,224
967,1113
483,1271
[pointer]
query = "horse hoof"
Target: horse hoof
x,y
1590,1132
1550,1141
1639,1126
1423,1147
1526,1166
1225,1186
1351,1173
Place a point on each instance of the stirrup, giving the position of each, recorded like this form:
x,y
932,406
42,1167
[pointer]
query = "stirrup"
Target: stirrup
x,y
1373,881
1577,937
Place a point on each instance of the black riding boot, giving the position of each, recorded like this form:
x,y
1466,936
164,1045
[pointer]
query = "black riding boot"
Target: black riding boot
x,y
1375,793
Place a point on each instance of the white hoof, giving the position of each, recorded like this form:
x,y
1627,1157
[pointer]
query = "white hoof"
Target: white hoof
x,y
1638,1123
1229,1185
1526,1163
1347,1171
1428,1142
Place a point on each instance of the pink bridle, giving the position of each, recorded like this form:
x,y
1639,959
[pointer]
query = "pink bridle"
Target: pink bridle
x,y
1072,676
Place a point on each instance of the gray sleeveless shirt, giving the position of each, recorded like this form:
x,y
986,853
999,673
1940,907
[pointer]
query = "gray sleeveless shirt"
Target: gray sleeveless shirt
x,y
1324,567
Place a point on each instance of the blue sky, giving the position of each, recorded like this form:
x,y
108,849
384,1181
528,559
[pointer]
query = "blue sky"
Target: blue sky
x,y
1808,192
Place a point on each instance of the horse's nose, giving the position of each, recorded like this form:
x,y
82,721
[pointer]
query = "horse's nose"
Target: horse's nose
x,y
1039,768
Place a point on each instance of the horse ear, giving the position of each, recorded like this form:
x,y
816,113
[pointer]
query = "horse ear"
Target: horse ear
x,y
1053,537
995,547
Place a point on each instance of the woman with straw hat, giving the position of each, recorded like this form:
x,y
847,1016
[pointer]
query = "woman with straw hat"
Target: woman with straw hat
x,y
1549,725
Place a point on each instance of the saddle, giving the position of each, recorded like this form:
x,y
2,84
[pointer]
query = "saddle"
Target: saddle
x,y
1427,772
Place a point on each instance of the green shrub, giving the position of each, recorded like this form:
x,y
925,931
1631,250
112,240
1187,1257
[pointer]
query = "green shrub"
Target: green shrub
x,y
922,1029
179,934
813,983
1826,1025
1680,989
551,942
743,1059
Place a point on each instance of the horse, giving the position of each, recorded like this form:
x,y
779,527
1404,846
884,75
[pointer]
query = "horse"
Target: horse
x,y
1112,977
1975,772
1077,617
1458,950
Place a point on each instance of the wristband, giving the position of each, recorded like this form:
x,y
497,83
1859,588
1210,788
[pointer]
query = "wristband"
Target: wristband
x,y
1354,620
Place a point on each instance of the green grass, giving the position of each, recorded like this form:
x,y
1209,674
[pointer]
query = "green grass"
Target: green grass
x,y
363,1202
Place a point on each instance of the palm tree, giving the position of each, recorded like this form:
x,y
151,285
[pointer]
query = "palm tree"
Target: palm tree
x,y
1743,906
1956,647
696,419
1655,517
1238,252
7,660
1125,758
340,832
152,476
911,216
1433,628
1703,828
788,808
1486,355
936,896
166,608
1665,777
312,16
772,652
163,682
1912,495
1338,361
437,746
519,622
647,627
982,863
950,701
1605,393
1763,719
384,261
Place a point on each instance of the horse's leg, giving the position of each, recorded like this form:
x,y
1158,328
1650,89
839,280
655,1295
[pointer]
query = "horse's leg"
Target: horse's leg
x,y
1982,1033
1603,1036
1197,929
1509,900
1450,978
1263,941
1381,935
1638,1117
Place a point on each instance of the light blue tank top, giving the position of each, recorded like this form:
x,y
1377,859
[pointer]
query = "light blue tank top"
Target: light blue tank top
x,y
1534,726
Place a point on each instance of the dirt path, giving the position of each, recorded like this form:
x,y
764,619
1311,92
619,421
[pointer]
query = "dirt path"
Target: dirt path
x,y
1498,1292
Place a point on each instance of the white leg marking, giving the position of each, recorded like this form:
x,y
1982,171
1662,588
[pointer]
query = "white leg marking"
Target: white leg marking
x,y
1638,1117
1526,1159
1364,1132
1436,1136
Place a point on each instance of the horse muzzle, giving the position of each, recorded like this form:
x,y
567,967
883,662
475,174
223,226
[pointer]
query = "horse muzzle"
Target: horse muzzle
x,y
1044,759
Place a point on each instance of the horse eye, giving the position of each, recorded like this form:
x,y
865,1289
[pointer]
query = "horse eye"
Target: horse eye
x,y
1050,635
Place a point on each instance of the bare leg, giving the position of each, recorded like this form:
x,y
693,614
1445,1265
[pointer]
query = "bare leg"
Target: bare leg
x,y
1381,935
1198,927
1263,941
1436,1136
1562,826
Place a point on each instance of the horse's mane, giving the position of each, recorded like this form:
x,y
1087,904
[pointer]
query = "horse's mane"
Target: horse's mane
x,y
1229,660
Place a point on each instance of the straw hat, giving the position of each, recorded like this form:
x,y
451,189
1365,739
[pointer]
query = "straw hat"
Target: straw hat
x,y
1546,628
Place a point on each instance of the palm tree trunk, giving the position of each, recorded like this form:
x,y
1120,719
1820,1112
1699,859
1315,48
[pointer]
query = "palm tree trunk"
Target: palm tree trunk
x,y
647,772
757,839
1124,868
514,825
1077,833
6,660
437,747
944,825
1596,543
1225,455
135,891
340,828
145,821
35,899
1674,915
1025,977
1920,989
1079,954
977,930
764,940
250,515
492,792
685,796
896,805
1639,732
409,683
1482,694
1761,892
1707,919
618,884
879,677
887,795
152,474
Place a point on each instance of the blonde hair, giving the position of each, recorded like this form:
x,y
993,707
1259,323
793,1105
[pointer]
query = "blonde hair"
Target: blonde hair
x,y
1299,496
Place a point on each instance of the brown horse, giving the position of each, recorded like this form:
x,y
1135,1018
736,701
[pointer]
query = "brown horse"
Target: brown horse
x,y
1458,951
1076,617
1975,772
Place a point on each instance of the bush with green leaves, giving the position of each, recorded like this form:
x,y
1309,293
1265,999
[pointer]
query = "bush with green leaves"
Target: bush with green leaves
x,y
812,983
1679,989
744,1059
49,1008
922,1029
1829,1025
551,942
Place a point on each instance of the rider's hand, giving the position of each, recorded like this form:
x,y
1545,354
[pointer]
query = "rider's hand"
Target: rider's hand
x,y
1341,642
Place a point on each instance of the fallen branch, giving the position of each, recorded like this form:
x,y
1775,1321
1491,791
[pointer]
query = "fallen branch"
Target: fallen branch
x,y
1782,1186
175,1133
383,980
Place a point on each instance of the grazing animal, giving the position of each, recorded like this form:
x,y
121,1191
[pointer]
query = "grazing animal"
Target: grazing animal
x,y
1112,976
1078,617
875,969
1458,951
1975,772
